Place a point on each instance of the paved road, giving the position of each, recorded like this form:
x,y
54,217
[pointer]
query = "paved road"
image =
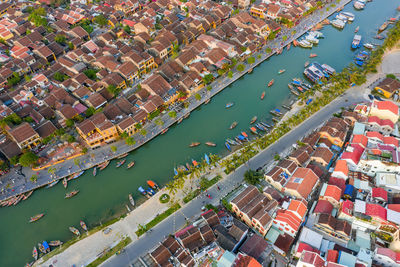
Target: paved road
x,y
193,209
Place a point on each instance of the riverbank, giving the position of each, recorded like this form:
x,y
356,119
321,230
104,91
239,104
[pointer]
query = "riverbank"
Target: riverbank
x,y
103,154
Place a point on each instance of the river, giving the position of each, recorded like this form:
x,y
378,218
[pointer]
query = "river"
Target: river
x,y
105,195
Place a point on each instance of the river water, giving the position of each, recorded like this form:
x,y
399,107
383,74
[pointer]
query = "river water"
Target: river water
x,y
105,195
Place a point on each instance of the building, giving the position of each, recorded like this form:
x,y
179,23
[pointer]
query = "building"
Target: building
x,y
322,155
334,227
289,220
302,183
388,87
384,110
386,257
24,136
331,193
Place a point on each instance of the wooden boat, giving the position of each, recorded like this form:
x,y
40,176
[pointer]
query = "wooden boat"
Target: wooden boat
x,y
275,120
103,165
290,86
287,107
357,29
265,124
306,64
71,194
312,55
245,134
250,70
180,120
210,144
94,171
187,165
131,200
227,146
253,130
288,47
253,120
294,92
143,192
260,127
120,163
35,253
281,71
233,125
55,243
379,37
186,115
194,144
130,165
27,195
83,225
74,176
155,186
65,183
74,230
271,82
207,101
19,198
228,105
36,217
383,26
262,95
165,130
123,156
46,246
127,208
232,142
41,248
295,43
29,264
52,183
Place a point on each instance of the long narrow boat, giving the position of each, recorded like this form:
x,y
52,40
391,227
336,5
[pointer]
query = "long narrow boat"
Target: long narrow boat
x,y
186,115
103,165
233,125
74,176
35,253
210,144
131,200
271,82
36,217
294,92
228,105
122,156
65,183
253,130
281,71
312,55
260,127
245,134
232,142
253,120
288,47
227,146
94,171
83,225
153,185
143,192
52,183
55,243
19,198
46,246
357,29
179,120
41,248
27,195
262,95
194,144
290,86
71,194
120,163
74,230
306,64
130,164
166,129
207,101
265,124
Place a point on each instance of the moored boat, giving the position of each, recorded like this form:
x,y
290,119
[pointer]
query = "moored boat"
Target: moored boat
x,y
358,5
179,121
46,246
253,130
227,146
290,86
71,194
262,95
27,195
153,185
74,230
194,162
250,70
75,175
94,171
271,82
260,127
186,115
210,144
165,130
305,44
233,125
356,43
36,217
52,183
312,55
245,134
103,165
130,164
228,105
194,144
231,142
122,156
55,243
383,26
350,16
150,191
41,248
35,253
65,183
207,101
143,192
338,23
287,107
253,120
120,163
83,225
265,124
131,200
306,64
369,46
281,71
357,29
294,92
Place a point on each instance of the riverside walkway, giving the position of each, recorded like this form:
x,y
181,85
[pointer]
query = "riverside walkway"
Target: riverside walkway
x,y
13,184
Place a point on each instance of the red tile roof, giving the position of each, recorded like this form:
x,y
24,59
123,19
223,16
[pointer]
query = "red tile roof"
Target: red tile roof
x,y
333,191
379,192
323,206
377,120
305,247
339,182
395,207
341,166
332,255
390,140
355,155
312,258
387,105
375,135
375,210
360,139
347,207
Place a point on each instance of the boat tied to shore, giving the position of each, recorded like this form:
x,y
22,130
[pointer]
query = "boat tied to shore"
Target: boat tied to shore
x,y
120,163
228,146
166,129
143,192
233,125
357,29
383,26
312,55
36,217
122,156
55,243
83,225
194,144
356,43
75,175
53,183
253,120
65,183
153,185
41,248
94,171
103,165
35,253
71,194
74,230
131,200
130,164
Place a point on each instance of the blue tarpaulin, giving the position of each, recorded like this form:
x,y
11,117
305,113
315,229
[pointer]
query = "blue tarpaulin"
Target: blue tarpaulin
x,y
207,159
45,245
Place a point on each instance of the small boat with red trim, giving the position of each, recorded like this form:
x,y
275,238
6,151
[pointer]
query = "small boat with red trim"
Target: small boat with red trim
x,y
262,95
83,225
194,144
71,194
103,165
313,55
120,163
36,217
55,243
123,156
65,183
35,253
74,230
210,144
153,185
253,120
281,71
271,82
233,125
253,130
166,129
130,164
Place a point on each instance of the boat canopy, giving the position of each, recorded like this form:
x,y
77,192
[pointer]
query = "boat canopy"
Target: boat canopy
x,y
151,183
207,159
277,110
45,245
141,190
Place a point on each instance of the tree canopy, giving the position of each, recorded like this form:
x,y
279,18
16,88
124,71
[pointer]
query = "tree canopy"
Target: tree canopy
x,y
28,159
252,177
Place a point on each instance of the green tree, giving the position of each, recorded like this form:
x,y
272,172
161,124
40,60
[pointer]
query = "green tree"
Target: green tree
x,y
28,159
209,87
230,74
60,38
197,96
69,123
240,67
15,79
172,114
268,50
208,78
284,38
101,20
90,111
251,60
113,89
84,150
58,76
14,160
143,132
392,76
113,148
252,177
127,29
34,178
130,141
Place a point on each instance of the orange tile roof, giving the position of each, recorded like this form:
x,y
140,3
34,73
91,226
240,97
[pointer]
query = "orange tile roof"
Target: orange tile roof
x,y
387,105
375,135
333,191
390,140
341,166
298,207
360,139
302,181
